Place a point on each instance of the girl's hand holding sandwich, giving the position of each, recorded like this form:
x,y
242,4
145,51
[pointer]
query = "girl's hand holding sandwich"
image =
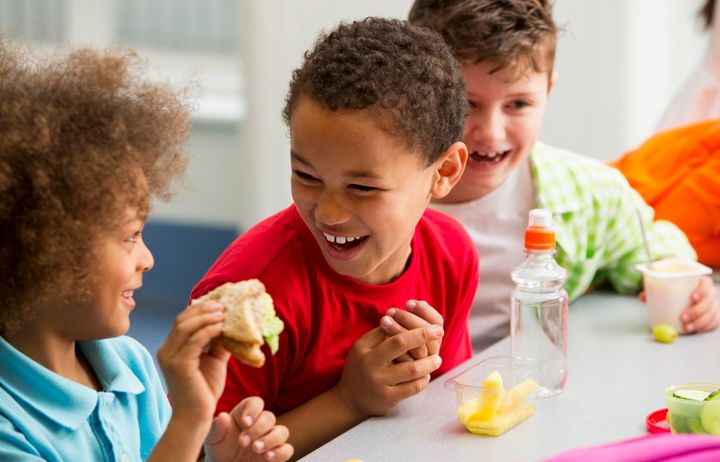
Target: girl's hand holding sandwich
x,y
194,362
193,365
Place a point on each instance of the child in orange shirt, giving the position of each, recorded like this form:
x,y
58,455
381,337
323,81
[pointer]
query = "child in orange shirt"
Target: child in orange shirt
x,y
678,173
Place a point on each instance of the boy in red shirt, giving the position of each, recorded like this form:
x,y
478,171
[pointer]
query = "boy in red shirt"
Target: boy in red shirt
x,y
375,113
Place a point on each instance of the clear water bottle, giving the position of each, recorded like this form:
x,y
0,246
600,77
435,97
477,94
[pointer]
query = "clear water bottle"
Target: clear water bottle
x,y
539,306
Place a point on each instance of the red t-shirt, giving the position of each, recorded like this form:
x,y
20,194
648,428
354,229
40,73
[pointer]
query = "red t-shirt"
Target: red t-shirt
x,y
325,312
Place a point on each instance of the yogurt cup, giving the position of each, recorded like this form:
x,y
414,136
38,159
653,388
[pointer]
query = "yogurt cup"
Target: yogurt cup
x,y
668,285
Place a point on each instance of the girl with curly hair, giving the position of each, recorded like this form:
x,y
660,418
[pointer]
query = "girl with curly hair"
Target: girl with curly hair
x,y
84,143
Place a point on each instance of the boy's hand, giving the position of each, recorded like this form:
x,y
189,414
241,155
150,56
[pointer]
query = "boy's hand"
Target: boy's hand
x,y
372,382
702,314
193,365
419,314
247,434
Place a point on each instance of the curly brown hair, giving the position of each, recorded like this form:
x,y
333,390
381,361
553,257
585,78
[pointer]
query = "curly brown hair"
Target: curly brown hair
x,y
80,133
514,34
405,75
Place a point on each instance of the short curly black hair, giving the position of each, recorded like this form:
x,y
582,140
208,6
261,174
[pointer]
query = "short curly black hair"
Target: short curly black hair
x,y
405,75
80,134
513,34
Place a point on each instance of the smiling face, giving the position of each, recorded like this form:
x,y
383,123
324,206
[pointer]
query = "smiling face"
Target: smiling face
x,y
503,124
122,257
359,191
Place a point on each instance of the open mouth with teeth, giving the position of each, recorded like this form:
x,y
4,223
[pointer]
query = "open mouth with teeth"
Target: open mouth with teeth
x,y
344,242
127,296
489,157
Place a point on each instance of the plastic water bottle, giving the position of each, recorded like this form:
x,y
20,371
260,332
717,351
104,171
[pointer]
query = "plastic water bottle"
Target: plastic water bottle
x,y
539,305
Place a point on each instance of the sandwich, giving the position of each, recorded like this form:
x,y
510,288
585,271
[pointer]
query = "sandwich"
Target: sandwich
x,y
250,320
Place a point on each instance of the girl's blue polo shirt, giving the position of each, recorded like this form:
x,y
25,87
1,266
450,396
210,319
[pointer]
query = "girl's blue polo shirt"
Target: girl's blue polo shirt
x,y
44,416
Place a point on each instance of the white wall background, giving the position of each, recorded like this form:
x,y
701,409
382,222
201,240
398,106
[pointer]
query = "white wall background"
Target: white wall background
x,y
619,63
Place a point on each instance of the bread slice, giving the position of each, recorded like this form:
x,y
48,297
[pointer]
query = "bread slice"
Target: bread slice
x,y
242,334
249,353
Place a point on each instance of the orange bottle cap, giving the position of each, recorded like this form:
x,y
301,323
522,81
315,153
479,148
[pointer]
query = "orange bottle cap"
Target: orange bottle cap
x,y
539,238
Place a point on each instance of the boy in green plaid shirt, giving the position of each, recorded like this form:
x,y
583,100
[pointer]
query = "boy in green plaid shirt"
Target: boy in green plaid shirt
x,y
506,49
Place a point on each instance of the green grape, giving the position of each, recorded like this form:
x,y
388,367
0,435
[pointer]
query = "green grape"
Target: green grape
x,y
664,333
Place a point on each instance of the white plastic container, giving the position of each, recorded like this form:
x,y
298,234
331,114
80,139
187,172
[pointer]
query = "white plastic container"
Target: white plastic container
x,y
668,286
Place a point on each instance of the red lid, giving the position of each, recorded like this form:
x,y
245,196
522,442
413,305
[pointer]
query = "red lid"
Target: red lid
x,y
656,422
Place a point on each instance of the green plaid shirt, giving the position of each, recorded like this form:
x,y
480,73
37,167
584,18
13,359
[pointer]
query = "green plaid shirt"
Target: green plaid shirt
x,y
596,224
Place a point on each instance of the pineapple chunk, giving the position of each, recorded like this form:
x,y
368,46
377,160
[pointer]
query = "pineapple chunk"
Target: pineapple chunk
x,y
490,399
502,422
493,381
496,410
517,394
467,409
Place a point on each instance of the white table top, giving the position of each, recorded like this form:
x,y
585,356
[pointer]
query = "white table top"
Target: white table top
x,y
616,376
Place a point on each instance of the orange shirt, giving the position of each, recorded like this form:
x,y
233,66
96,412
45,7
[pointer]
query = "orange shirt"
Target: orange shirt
x,y
678,174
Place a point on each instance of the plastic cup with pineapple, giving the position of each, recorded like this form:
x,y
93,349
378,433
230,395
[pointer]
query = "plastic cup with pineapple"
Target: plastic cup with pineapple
x,y
694,408
496,394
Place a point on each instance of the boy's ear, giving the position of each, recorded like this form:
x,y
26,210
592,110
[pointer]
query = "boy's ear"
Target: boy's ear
x,y
551,82
449,168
